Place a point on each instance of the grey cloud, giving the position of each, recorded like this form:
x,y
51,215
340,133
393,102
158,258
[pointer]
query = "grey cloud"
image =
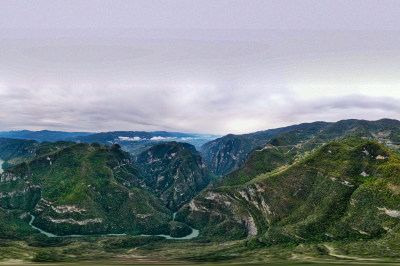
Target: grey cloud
x,y
95,113
342,107
202,66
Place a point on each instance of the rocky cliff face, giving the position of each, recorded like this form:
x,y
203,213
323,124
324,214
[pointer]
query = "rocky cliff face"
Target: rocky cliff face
x,y
226,154
338,192
175,172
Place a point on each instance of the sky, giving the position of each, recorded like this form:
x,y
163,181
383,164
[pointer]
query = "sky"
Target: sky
x,y
196,66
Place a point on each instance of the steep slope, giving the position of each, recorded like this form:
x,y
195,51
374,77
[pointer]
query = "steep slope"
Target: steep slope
x,y
84,189
225,154
176,173
292,146
338,192
11,148
15,151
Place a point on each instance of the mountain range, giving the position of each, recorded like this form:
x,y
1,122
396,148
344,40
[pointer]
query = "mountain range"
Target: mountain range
x,y
317,182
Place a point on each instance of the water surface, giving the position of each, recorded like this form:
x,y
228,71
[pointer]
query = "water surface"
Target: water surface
x,y
1,166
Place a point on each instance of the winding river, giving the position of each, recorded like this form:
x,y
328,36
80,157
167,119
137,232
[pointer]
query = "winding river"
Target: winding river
x,y
195,232
1,166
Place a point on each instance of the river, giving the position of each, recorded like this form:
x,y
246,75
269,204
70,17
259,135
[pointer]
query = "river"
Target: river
x,y
1,166
195,232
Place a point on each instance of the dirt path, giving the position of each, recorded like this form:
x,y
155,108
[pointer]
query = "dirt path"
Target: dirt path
x,y
331,252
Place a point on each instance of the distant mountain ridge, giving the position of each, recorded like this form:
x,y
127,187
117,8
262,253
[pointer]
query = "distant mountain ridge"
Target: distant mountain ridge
x,y
133,142
43,135
113,137
136,142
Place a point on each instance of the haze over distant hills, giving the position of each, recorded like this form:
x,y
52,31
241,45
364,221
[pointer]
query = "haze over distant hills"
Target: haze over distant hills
x,y
129,137
132,141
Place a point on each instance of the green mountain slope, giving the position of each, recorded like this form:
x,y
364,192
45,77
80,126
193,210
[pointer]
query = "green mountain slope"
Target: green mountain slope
x,y
287,148
175,172
225,154
339,192
84,189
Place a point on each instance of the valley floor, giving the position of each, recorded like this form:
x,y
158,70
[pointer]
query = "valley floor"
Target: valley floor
x,y
118,251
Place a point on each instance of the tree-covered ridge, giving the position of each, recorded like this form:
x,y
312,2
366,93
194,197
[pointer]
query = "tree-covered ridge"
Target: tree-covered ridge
x,y
339,192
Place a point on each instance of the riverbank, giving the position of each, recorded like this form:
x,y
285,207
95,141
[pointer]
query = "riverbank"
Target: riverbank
x,y
193,234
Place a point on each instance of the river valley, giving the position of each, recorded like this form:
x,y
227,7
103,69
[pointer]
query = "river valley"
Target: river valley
x,y
193,234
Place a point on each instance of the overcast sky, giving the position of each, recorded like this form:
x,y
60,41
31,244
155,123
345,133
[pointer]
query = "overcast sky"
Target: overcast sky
x,y
196,66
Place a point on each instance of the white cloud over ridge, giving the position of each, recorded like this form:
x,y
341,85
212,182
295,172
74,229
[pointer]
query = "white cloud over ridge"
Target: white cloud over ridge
x,y
129,138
